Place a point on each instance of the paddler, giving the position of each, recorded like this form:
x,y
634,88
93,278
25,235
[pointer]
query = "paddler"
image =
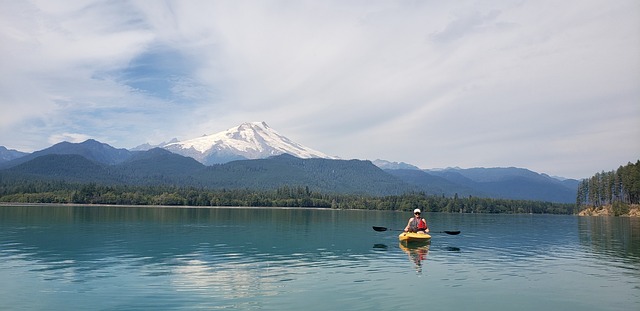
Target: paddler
x,y
417,223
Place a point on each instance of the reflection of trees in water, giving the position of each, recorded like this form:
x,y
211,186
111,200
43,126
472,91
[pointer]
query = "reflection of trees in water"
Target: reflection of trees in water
x,y
417,252
94,238
618,237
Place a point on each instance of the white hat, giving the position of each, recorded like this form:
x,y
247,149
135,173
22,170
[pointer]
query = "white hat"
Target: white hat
x,y
417,210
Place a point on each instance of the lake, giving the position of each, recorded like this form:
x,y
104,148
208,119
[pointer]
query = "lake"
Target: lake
x,y
161,258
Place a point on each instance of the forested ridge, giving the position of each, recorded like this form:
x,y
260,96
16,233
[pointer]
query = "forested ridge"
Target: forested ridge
x,y
617,190
296,196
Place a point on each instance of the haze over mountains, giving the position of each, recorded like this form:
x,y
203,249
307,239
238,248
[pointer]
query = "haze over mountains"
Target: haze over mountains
x,y
254,156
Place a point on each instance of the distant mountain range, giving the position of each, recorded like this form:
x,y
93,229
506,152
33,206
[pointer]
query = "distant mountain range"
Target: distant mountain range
x,y
506,183
265,160
10,154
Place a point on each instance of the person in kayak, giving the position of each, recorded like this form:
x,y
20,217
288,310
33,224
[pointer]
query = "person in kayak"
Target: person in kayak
x,y
417,223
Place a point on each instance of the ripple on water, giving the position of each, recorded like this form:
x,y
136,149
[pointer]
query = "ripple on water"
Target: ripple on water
x,y
158,261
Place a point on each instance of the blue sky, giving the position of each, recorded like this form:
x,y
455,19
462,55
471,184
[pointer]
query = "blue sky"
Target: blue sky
x,y
552,86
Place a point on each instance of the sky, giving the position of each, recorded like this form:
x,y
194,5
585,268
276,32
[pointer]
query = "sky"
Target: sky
x,y
551,86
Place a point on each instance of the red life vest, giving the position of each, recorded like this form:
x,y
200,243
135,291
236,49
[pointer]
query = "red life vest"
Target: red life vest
x,y
418,224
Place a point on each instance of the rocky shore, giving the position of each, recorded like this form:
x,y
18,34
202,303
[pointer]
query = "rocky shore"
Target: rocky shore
x,y
607,210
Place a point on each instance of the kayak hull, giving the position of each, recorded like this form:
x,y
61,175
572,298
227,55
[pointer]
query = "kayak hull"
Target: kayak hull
x,y
414,237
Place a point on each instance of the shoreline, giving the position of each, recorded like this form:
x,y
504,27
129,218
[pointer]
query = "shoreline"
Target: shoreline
x,y
607,210
163,206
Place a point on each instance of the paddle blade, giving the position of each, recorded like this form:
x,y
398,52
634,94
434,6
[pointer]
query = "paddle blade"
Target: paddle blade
x,y
452,232
379,228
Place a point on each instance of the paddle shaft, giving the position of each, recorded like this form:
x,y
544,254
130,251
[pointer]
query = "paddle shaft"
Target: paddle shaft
x,y
387,229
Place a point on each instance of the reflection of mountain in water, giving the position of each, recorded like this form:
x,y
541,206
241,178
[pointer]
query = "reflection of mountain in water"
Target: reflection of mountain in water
x,y
618,237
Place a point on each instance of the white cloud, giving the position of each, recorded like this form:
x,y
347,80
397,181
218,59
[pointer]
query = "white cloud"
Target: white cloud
x,y
434,84
70,137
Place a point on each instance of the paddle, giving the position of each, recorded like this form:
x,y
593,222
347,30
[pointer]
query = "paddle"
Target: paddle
x,y
385,229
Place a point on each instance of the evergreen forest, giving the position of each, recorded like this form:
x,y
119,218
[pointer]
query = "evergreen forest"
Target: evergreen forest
x,y
619,189
61,192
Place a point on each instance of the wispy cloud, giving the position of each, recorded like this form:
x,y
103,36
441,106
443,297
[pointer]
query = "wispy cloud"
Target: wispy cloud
x,y
535,84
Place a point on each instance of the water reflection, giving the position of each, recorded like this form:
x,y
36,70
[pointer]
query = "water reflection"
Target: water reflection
x,y
380,247
417,252
279,259
618,237
191,247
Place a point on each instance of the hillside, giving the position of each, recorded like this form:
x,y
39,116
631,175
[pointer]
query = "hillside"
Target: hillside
x,y
67,167
161,167
432,184
334,176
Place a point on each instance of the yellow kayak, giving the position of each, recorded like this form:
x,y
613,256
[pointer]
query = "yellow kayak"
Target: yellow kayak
x,y
414,236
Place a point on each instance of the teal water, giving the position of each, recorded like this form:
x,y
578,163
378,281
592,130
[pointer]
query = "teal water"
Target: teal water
x,y
151,258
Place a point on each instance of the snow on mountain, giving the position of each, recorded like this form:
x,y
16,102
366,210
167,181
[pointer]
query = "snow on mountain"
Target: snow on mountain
x,y
147,146
253,140
387,165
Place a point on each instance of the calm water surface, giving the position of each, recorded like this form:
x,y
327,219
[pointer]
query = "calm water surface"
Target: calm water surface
x,y
151,258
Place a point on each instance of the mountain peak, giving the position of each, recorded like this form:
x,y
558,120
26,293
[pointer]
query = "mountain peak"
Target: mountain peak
x,y
147,146
249,140
10,154
387,165
260,124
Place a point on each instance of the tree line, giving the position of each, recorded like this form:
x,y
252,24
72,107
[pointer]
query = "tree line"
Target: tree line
x,y
618,188
287,196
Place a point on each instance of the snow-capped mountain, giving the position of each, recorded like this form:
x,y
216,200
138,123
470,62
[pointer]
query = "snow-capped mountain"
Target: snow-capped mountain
x,y
253,140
